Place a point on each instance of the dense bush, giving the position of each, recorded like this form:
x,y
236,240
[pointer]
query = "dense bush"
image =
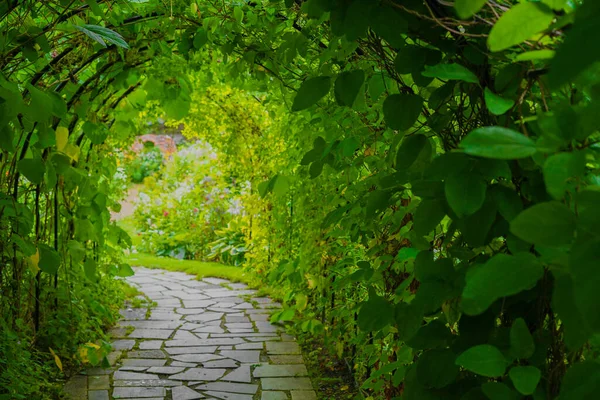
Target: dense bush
x,y
181,213
145,163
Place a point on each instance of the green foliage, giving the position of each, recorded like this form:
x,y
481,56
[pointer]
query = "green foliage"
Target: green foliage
x,y
455,191
185,212
147,163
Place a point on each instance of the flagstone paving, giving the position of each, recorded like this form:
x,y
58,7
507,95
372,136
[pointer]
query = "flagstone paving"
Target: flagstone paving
x,y
207,339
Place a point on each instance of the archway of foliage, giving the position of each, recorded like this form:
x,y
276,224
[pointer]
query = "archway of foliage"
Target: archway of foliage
x,y
434,206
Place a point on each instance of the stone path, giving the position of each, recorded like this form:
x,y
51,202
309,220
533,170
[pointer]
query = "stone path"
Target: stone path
x,y
202,341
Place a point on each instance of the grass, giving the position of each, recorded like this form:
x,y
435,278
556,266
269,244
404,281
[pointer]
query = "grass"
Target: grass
x,y
199,268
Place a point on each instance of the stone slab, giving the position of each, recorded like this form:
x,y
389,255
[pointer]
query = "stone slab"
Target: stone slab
x,y
273,371
199,374
227,387
140,392
286,384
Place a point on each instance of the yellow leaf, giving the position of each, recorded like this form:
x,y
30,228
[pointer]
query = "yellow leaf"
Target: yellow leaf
x,y
33,261
62,138
72,151
56,360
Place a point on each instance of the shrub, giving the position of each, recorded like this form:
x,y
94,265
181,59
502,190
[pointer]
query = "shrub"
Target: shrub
x,y
180,214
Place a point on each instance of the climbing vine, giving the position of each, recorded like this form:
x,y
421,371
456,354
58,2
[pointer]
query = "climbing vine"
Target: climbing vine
x,y
431,207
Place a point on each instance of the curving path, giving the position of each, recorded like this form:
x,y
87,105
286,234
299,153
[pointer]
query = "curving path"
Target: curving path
x,y
206,339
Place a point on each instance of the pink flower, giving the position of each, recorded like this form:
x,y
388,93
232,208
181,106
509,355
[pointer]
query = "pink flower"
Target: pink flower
x,y
196,210
165,213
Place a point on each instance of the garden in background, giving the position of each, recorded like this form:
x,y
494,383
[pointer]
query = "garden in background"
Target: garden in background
x,y
417,181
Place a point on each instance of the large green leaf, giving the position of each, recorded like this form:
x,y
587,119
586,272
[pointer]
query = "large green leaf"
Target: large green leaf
x,y
375,314
561,167
545,224
578,50
347,87
103,35
521,342
583,263
437,368
501,276
434,334
33,169
484,360
467,8
311,91
49,259
410,150
450,72
499,391
428,215
401,111
525,378
465,193
498,143
582,381
518,24
89,267
496,104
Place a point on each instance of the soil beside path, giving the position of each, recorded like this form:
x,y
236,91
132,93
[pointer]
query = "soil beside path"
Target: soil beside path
x,y
202,341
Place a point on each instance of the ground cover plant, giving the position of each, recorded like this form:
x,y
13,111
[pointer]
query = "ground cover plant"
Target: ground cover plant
x,y
423,177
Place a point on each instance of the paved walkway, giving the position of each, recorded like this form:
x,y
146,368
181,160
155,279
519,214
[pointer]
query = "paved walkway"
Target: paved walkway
x,y
202,341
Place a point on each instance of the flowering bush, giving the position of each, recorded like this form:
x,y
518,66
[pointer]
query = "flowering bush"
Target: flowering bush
x,y
180,214
146,163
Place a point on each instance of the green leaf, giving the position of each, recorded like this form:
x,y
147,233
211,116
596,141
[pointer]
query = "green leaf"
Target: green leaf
x,y
375,314
434,334
583,263
465,193
582,381
525,378
238,14
576,330
484,360
311,91
545,224
498,143
89,267
508,202
103,35
410,149
428,215
33,169
518,24
559,169
200,38
49,259
455,72
467,8
97,134
177,109
427,270
503,275
125,270
521,342
347,86
535,55
577,52
497,104
388,23
437,368
401,111
499,391
408,318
